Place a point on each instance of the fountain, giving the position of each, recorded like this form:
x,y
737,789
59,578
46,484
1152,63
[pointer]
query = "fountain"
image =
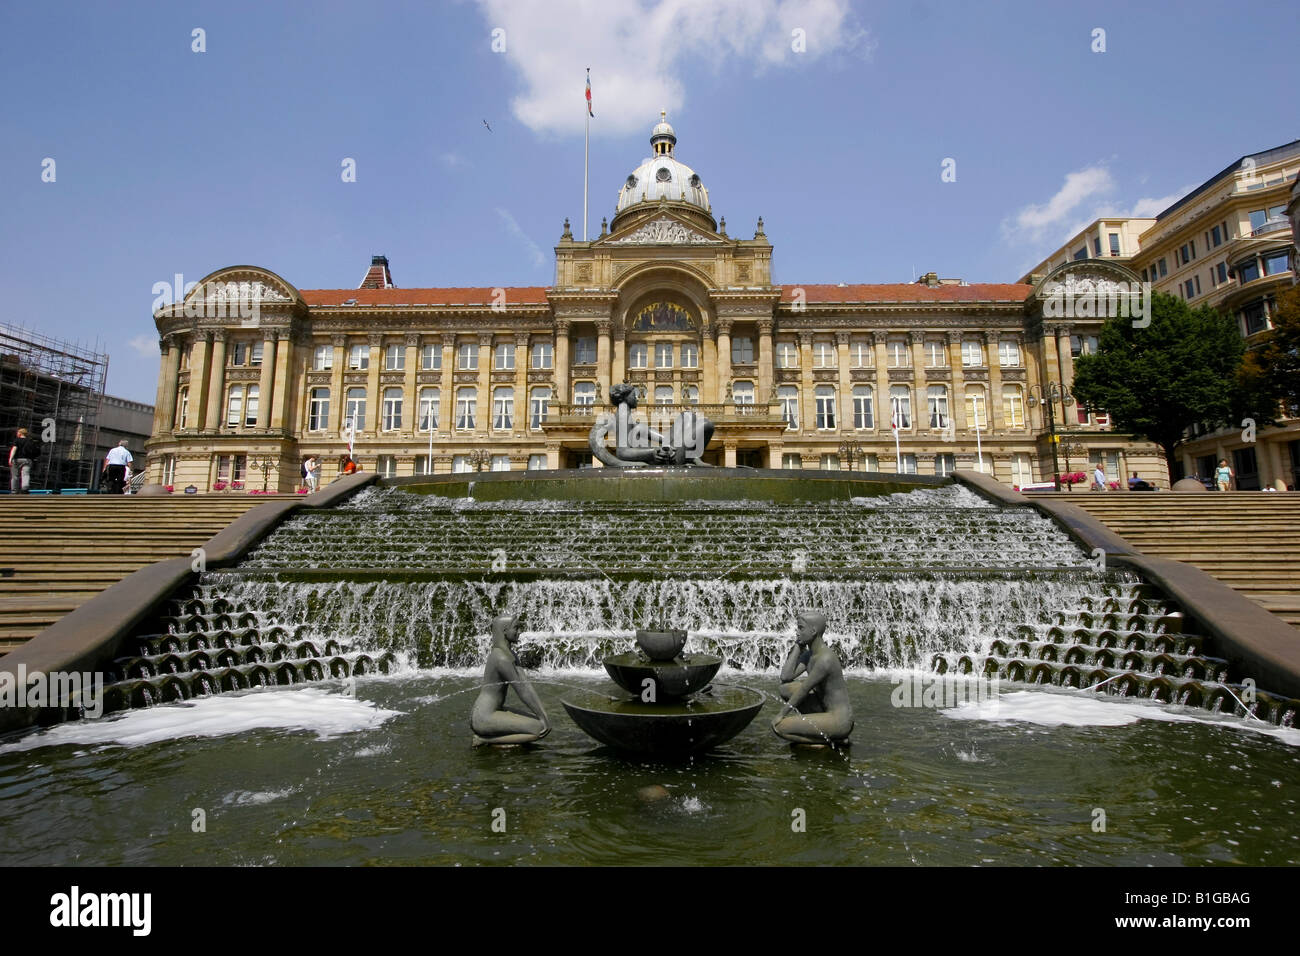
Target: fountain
x,y
673,709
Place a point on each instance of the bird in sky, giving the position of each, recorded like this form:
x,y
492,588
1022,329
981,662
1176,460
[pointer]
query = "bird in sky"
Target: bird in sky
x,y
489,128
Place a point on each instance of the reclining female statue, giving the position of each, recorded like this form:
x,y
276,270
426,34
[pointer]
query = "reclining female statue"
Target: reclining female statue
x,y
636,443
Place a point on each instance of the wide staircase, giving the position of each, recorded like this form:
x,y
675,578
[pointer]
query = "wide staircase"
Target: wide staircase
x,y
1249,540
57,552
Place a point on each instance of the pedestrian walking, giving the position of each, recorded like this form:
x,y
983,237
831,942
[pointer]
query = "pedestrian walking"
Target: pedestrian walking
x,y
1223,475
115,463
22,453
311,472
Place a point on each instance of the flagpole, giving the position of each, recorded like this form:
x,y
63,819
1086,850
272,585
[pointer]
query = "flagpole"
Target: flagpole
x,y
586,150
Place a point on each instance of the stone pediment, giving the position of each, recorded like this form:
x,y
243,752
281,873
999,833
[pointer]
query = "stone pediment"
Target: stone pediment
x,y
664,231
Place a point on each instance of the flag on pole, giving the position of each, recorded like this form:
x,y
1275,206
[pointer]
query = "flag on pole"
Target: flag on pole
x,y
589,112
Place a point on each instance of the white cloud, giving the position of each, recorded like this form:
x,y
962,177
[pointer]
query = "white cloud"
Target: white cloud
x,y
638,49
535,254
146,345
452,160
1082,199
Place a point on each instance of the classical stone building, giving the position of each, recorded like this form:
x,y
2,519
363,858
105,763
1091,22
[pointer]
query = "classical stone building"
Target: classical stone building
x,y
257,374
1230,245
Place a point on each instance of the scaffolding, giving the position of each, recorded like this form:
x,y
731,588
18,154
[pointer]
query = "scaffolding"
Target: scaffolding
x,y
55,390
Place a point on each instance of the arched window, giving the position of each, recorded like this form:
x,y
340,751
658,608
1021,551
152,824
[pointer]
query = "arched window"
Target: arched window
x,y
183,408
503,409
1013,406
976,408
788,395
825,395
936,399
466,405
429,400
663,394
584,393
742,393
538,407
900,406
392,409
234,405
354,410
864,413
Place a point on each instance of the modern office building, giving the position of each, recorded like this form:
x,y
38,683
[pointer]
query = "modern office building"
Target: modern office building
x,y
921,377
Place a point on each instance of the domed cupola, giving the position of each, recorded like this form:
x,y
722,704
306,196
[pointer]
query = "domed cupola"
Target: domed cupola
x,y
663,178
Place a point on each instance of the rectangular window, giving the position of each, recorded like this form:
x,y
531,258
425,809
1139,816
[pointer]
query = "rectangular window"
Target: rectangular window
x,y
1013,406
429,398
864,413
543,355
584,393
1222,270
182,416
1081,253
789,398
431,358
238,353
936,353
1276,263
861,354
908,464
536,462
423,465
824,355
1215,237
945,465
467,357
1257,218
231,467
234,406
742,350
503,359
1182,254
394,358
1021,471
830,461
900,356
1114,243
1009,353
742,393
664,395
584,350
690,355
386,466
538,407
1164,267
500,462
791,460
972,353
1188,289
663,355
460,464
1255,318
936,399
787,354
354,409
1248,271
250,406
637,355
322,358
359,358
1096,247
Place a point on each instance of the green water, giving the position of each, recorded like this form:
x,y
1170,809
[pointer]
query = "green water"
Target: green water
x,y
917,787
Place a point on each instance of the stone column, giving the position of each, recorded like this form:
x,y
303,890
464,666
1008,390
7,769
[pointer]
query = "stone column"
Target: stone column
x,y
374,396
765,371
1069,413
446,385
283,387
410,392
807,385
618,362
997,416
710,392
521,383
775,450
561,359
958,409
1049,371
603,357
266,383
729,454
483,416
216,381
920,388
723,363
338,396
170,365
199,379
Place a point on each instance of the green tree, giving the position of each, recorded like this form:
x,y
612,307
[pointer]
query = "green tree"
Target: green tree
x,y
1159,380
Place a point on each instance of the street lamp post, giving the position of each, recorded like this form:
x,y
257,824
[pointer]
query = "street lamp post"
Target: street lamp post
x,y
1069,448
849,450
267,465
478,458
1048,396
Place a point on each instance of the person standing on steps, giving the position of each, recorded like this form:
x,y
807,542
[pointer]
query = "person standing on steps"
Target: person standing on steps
x,y
1223,475
115,463
311,471
1098,479
22,454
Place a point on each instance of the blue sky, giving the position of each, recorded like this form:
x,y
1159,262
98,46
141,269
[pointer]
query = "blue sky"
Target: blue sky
x,y
171,161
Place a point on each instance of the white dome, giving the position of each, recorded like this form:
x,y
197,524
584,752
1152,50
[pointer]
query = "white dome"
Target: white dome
x,y
663,177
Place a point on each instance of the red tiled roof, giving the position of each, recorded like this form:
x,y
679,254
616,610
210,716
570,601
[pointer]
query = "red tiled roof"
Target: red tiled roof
x,y
514,295
909,292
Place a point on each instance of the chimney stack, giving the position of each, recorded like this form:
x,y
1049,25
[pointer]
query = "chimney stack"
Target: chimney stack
x,y
378,276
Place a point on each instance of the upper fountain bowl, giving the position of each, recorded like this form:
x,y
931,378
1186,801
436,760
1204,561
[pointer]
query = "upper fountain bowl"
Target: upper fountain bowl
x,y
661,645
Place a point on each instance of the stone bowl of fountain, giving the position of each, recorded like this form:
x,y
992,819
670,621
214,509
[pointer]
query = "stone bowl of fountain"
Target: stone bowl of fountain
x,y
673,709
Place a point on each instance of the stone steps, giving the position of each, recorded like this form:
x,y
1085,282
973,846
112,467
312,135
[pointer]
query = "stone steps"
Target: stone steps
x,y
56,553
1249,540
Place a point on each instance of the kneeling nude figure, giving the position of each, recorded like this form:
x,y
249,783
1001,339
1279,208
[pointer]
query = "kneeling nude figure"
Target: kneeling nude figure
x,y
491,720
820,697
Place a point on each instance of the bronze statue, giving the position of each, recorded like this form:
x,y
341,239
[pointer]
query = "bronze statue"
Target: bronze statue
x,y
636,443
819,698
491,720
